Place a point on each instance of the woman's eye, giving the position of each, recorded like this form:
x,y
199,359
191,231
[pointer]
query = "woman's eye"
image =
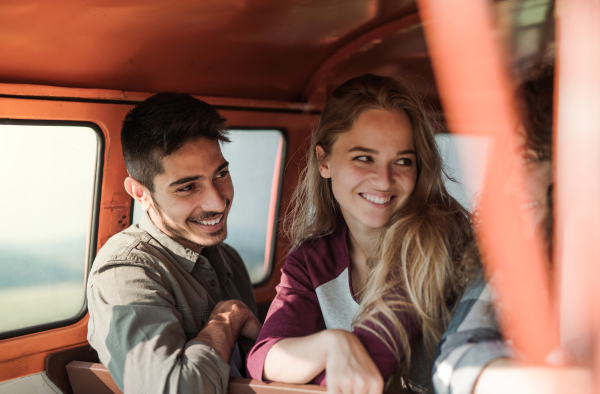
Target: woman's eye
x,y
363,158
530,156
405,162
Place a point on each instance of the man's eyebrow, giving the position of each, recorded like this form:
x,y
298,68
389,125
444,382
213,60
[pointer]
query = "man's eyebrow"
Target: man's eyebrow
x,y
222,166
186,180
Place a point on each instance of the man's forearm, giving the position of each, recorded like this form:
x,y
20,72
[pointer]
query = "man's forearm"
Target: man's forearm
x,y
220,336
228,320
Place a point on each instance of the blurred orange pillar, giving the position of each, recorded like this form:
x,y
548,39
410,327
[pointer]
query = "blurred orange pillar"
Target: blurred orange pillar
x,y
477,97
577,169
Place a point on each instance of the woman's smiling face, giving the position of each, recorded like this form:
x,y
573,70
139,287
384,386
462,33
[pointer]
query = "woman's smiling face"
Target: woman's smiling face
x,y
531,188
373,168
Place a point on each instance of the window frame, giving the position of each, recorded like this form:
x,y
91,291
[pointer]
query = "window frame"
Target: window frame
x,y
92,241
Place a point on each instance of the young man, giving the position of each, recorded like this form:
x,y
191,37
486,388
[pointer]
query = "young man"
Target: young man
x,y
167,299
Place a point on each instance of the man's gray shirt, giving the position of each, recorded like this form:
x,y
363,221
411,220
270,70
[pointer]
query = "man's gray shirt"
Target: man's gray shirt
x,y
148,297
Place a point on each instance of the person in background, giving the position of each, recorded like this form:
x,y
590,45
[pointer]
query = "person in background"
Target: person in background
x,y
377,242
472,356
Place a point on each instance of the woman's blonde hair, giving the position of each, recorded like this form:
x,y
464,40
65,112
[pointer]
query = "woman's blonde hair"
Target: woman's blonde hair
x,y
417,266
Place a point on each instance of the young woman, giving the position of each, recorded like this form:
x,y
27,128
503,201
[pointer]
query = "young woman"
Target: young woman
x,y
376,238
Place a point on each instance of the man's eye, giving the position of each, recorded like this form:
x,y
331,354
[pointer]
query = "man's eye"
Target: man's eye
x,y
223,174
405,162
186,188
364,159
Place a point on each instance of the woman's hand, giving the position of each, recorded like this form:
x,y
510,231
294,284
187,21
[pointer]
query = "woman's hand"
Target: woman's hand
x,y
349,368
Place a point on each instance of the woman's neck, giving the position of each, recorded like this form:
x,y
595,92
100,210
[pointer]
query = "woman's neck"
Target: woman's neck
x,y
360,247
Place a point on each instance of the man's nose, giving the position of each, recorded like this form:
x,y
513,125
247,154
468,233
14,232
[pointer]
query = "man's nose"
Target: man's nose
x,y
213,200
383,177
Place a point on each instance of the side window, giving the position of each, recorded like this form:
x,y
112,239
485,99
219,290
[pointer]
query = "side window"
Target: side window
x,y
255,163
465,159
48,175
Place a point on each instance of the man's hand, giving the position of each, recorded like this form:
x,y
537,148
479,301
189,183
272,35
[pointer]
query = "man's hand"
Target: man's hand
x,y
227,321
349,368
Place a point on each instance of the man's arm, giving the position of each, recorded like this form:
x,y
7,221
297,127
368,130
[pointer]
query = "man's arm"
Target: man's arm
x,y
140,334
228,320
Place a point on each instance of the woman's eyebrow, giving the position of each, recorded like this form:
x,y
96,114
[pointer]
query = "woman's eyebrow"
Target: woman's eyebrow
x,y
406,151
361,149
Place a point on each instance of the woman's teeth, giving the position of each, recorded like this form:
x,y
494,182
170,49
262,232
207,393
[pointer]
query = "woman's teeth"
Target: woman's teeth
x,y
528,205
211,222
376,200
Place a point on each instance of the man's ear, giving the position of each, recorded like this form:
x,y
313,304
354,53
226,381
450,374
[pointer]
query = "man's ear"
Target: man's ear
x,y
138,192
323,162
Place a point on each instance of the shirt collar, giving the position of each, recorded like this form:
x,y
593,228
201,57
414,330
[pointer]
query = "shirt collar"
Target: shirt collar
x,y
184,256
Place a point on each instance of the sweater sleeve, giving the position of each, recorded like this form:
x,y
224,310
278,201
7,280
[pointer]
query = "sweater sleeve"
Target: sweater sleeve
x,y
295,312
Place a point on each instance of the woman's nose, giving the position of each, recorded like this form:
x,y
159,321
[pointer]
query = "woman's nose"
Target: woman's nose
x,y
514,185
383,177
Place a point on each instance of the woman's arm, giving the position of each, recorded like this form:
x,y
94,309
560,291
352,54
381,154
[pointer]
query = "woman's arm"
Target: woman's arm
x,y
348,365
294,313
290,347
505,375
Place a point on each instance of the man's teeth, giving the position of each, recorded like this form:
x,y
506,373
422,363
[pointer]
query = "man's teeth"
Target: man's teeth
x,y
528,205
211,222
376,200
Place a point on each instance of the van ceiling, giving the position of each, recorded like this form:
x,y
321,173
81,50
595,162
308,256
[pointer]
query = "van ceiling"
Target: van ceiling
x,y
256,49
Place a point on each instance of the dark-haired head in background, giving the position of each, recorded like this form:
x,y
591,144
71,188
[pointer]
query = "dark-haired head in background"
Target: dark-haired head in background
x,y
533,148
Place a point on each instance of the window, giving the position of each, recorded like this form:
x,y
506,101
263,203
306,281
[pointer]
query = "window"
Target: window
x,y
49,174
255,163
464,159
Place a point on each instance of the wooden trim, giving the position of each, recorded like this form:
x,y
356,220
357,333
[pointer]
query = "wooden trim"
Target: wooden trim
x,y
54,92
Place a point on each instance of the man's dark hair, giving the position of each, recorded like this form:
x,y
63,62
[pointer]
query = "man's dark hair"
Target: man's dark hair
x,y
161,125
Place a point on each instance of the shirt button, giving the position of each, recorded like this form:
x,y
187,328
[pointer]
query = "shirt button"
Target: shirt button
x,y
201,261
212,283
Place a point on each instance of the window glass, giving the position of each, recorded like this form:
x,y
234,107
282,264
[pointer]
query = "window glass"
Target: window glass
x,y
255,166
48,175
464,160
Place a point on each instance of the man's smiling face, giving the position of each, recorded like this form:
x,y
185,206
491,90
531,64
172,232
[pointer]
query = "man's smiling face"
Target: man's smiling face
x,y
193,195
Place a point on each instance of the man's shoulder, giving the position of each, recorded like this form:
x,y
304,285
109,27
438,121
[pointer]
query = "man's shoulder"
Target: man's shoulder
x,y
130,245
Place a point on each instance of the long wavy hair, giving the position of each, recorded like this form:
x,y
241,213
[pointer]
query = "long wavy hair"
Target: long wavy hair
x,y
416,267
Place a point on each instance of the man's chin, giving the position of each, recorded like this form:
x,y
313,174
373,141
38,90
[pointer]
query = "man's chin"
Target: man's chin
x,y
211,239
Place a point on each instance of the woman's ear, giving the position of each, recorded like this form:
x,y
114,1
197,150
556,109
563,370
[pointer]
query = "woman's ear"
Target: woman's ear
x,y
323,162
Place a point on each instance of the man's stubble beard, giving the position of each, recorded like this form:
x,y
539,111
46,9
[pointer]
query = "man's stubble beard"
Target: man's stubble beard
x,y
177,234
